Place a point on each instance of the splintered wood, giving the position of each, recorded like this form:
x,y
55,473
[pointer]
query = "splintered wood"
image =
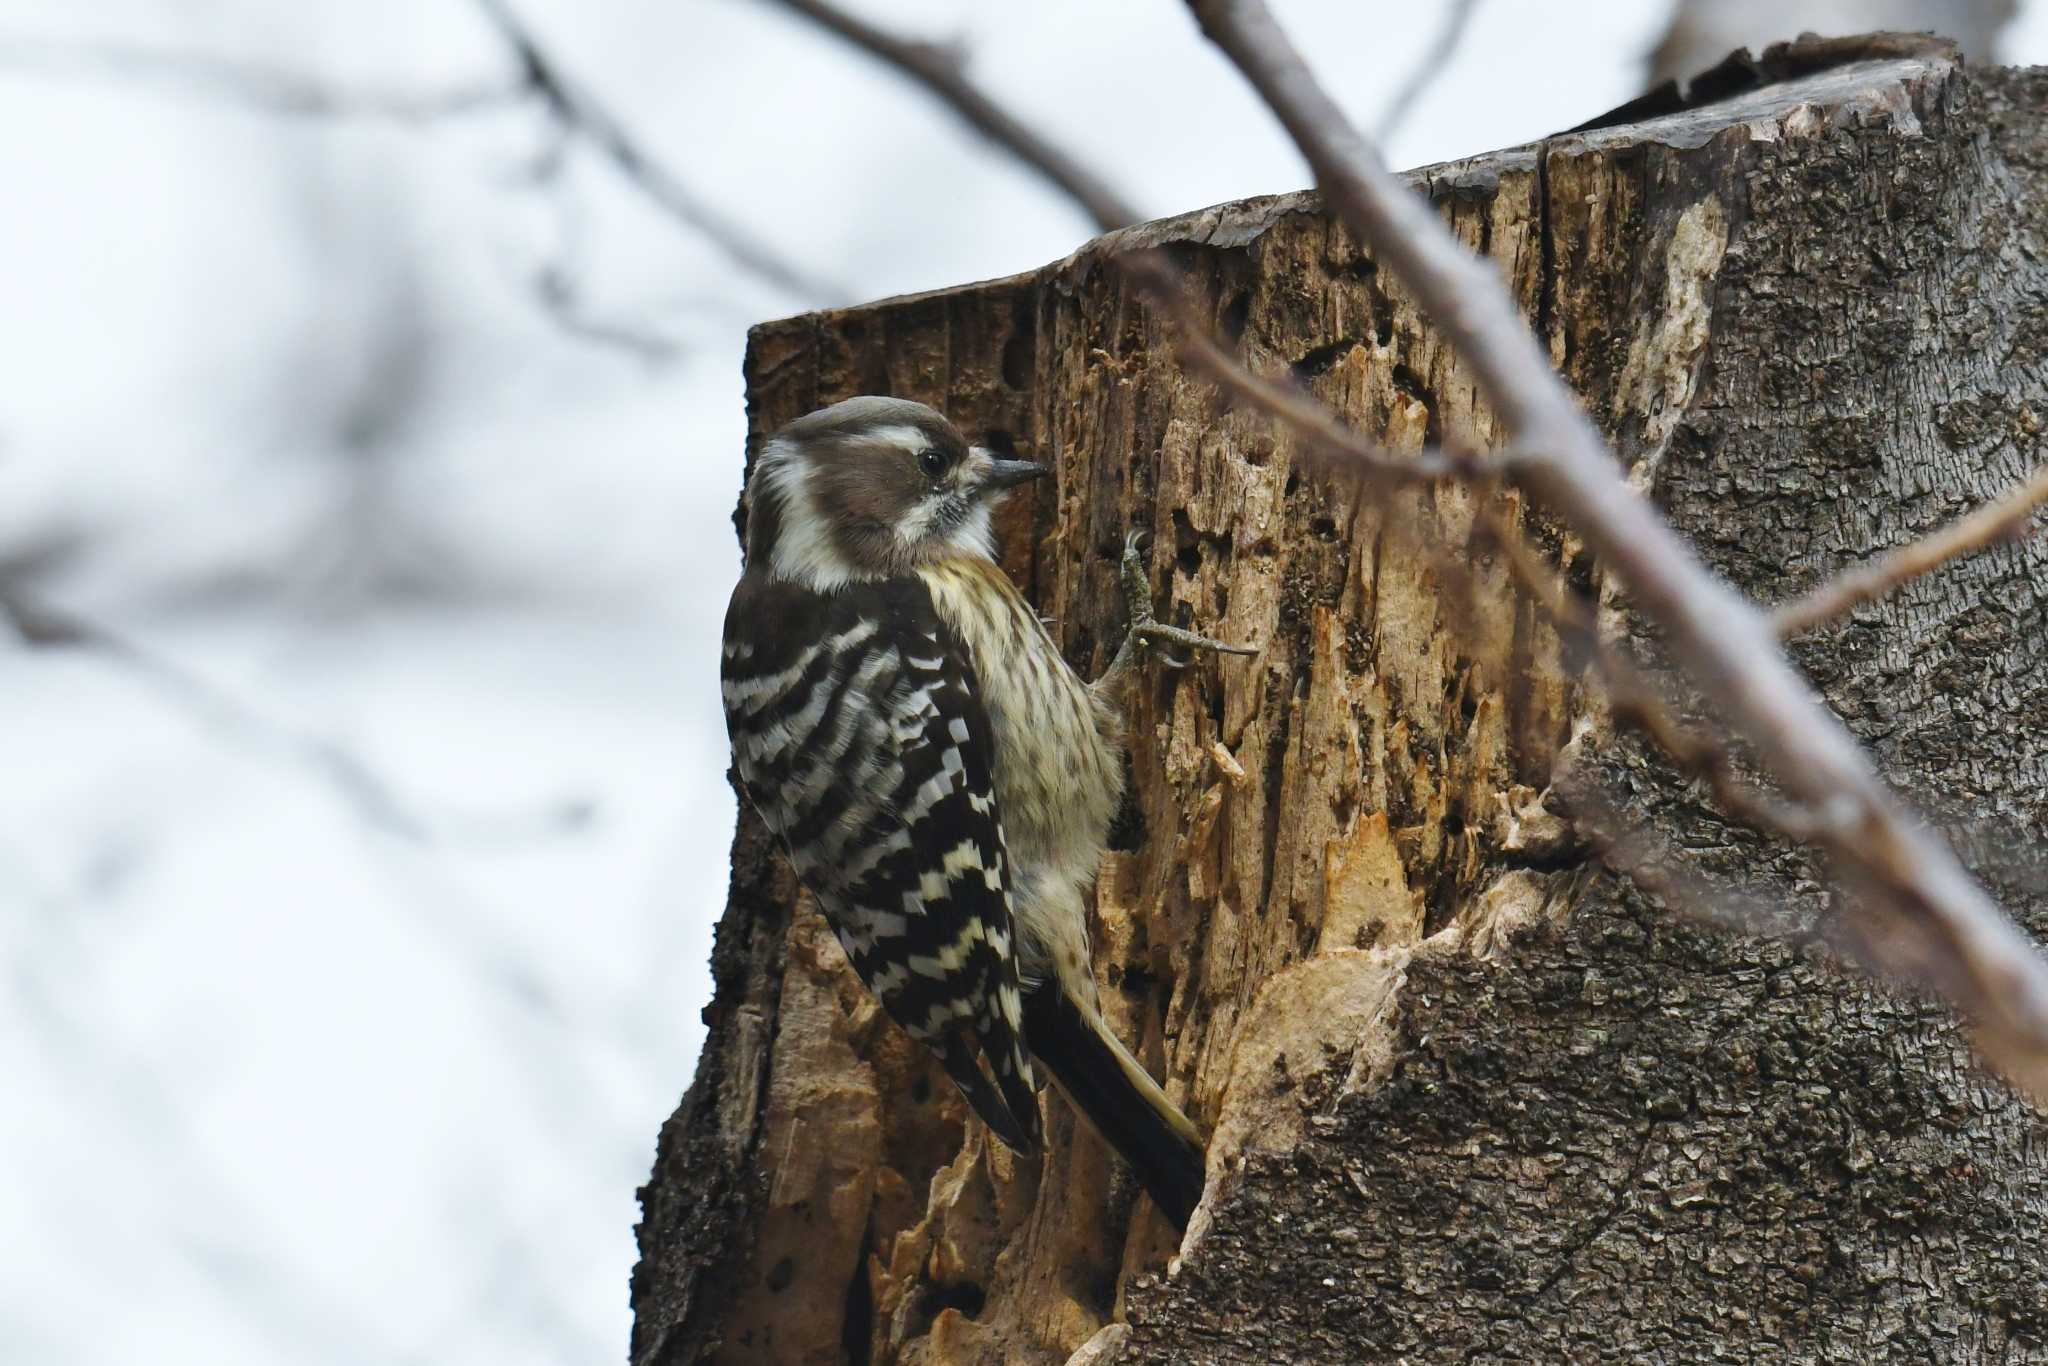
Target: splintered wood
x,y
1460,1082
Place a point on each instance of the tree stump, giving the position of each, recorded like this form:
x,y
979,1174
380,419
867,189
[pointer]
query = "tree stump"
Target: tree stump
x,y
1472,1093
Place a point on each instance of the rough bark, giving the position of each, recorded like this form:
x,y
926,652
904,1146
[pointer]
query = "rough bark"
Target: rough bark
x,y
1472,1094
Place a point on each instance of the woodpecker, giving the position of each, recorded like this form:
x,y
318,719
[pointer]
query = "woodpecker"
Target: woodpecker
x,y
943,781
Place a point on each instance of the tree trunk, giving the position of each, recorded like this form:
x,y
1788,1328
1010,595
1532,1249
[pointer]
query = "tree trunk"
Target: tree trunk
x,y
1471,1093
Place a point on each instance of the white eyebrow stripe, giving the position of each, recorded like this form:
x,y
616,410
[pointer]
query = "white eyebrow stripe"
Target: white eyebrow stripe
x,y
909,438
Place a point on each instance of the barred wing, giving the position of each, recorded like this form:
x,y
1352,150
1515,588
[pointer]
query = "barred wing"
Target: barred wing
x,y
858,731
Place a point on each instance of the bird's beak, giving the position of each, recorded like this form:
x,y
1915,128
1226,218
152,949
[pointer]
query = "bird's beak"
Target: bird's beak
x,y
1007,474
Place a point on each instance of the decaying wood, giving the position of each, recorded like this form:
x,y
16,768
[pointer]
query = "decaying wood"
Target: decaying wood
x,y
1949,932
1470,1093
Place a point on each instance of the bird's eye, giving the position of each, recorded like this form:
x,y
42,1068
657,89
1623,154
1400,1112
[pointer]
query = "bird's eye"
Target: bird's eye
x,y
932,461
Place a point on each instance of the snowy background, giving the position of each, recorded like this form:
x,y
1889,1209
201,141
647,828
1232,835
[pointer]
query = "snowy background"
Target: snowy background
x,y
362,809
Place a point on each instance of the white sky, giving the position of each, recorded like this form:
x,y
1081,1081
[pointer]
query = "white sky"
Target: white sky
x,y
283,1086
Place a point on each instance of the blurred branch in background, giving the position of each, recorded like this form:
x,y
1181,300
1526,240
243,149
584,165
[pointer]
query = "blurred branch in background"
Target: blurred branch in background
x,y
372,373
1725,646
2008,519
539,79
272,89
41,626
1425,72
582,113
942,71
561,297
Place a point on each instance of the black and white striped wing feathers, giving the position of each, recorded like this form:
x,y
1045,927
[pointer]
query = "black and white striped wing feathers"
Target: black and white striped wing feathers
x,y
859,734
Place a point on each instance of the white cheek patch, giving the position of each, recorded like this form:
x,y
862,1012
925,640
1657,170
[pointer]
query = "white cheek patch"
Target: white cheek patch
x,y
919,521
975,536
804,551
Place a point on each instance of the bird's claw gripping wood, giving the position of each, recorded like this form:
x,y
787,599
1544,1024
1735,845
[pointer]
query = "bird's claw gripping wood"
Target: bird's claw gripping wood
x,y
1146,632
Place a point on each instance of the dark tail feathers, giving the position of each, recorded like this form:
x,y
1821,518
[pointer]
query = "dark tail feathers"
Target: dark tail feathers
x,y
1117,1096
1010,1107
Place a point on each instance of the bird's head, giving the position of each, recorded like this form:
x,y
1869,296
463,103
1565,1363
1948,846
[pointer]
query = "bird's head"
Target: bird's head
x,y
872,488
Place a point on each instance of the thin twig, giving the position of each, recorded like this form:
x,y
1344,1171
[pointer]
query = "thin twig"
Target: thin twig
x,y
2007,518
1425,72
1314,424
1727,646
539,77
1648,860
577,108
1318,429
1633,699
42,626
46,627
273,89
942,72
556,289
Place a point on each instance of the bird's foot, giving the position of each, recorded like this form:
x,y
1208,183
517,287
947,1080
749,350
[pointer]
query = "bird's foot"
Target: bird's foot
x,y
1148,637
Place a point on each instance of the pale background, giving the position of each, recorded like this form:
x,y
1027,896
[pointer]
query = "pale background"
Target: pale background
x,y
353,933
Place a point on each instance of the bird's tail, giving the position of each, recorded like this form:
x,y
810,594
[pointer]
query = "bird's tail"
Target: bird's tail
x,y
1118,1097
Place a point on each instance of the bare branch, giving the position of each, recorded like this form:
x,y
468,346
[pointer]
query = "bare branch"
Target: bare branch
x,y
40,625
556,289
272,89
539,78
1433,64
1635,851
577,108
1728,647
2007,518
1314,424
941,72
1633,698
